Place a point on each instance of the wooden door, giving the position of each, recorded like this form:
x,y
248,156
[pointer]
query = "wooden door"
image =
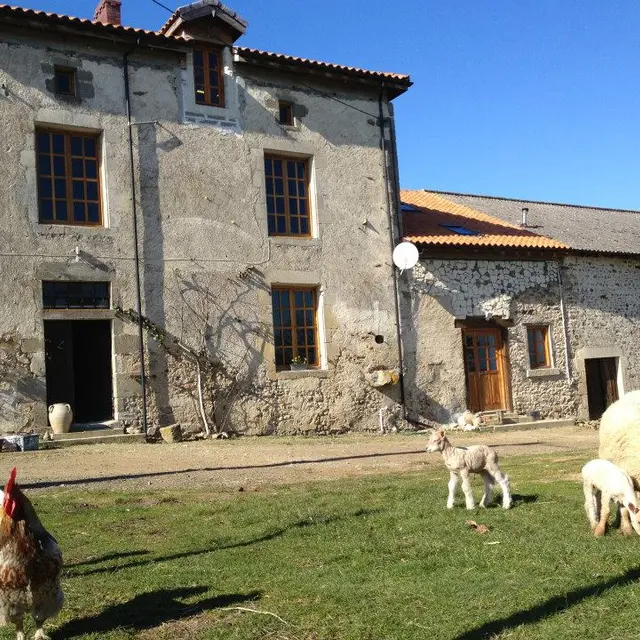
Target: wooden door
x,y
602,384
484,362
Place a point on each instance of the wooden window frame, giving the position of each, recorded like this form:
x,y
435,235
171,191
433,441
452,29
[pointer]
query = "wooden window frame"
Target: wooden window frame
x,y
287,198
207,82
68,71
69,178
297,350
533,331
287,107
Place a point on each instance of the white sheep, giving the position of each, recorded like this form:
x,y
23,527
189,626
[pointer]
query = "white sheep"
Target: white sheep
x,y
620,438
461,461
602,482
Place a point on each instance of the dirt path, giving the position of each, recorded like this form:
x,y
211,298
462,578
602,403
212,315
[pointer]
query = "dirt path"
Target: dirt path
x,y
254,462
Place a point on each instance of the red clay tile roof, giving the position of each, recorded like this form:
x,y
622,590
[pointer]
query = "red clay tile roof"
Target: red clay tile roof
x,y
255,54
328,66
84,23
425,226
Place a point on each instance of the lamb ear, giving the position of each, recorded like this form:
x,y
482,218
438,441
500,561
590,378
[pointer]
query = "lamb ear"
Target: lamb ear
x,y
441,432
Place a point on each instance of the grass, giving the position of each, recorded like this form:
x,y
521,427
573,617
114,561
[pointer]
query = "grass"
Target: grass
x,y
372,558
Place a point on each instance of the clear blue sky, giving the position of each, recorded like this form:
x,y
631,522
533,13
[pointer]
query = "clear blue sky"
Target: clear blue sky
x,y
538,99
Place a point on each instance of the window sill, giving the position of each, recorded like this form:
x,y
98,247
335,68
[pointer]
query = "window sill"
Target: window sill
x,y
297,241
543,373
62,227
303,373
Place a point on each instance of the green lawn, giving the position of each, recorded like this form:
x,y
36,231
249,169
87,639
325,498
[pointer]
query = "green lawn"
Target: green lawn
x,y
373,558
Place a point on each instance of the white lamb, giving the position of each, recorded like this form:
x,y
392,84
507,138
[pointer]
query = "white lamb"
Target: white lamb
x,y
461,461
603,481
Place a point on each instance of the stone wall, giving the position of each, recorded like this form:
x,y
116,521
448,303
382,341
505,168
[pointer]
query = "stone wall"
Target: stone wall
x,y
515,293
602,308
207,263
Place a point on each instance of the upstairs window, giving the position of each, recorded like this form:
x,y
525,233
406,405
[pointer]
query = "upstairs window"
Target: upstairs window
x,y
287,183
295,327
285,113
208,77
64,80
539,352
68,178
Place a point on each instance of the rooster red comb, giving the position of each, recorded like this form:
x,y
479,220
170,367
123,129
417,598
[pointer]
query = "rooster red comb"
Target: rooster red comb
x,y
10,503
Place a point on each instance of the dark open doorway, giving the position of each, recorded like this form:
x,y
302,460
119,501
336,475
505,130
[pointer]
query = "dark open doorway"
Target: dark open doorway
x,y
602,384
78,365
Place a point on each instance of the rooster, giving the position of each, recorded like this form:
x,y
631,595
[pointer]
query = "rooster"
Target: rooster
x,y
30,564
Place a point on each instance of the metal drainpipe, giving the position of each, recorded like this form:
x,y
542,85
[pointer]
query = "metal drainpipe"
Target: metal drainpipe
x,y
136,253
565,323
391,209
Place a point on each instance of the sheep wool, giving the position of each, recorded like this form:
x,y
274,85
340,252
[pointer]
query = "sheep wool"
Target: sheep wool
x,y
620,435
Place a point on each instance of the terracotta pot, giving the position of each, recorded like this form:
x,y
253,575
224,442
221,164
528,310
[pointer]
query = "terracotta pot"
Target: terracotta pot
x,y
60,417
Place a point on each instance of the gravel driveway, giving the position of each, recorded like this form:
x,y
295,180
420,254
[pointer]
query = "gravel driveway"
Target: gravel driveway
x,y
256,462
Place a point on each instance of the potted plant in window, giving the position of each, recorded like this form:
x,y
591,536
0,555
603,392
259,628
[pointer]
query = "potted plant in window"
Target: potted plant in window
x,y
298,363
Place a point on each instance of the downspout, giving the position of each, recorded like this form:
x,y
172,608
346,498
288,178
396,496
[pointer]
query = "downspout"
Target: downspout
x,y
392,207
565,323
136,253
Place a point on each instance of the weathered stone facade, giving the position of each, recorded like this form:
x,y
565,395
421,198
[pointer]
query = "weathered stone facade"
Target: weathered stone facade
x,y
601,320
207,262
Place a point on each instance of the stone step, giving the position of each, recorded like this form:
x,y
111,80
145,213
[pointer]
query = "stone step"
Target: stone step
x,y
527,426
68,439
89,433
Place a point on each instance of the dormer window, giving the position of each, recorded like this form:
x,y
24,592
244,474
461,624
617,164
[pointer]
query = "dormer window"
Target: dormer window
x,y
208,77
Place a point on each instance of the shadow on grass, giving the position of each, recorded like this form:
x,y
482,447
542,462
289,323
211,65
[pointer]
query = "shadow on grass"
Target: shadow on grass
x,y
300,524
108,556
149,610
549,608
518,499
285,463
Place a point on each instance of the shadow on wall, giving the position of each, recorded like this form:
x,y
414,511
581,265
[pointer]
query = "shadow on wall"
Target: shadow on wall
x,y
219,319
420,404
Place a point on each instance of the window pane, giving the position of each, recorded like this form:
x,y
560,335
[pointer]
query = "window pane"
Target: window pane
x,y
61,210
302,170
279,186
60,188
287,337
58,142
286,315
198,59
90,169
280,205
300,338
78,212
94,212
295,227
78,189
311,337
312,359
298,297
77,168
277,168
300,317
308,298
281,225
45,188
271,224
46,210
304,226
44,165
59,168
302,204
268,166
76,146
213,60
90,147
44,145
291,169
92,190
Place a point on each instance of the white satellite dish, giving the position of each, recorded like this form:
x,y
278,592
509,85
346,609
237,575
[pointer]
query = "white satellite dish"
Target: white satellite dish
x,y
405,256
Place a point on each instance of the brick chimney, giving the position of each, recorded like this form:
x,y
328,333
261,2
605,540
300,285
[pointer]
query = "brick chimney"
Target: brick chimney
x,y
108,12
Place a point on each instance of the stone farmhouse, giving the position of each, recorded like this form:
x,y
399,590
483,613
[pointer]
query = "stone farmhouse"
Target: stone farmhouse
x,y
176,208
529,307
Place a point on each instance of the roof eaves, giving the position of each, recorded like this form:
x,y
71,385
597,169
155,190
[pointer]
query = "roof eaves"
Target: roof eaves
x,y
400,82
83,24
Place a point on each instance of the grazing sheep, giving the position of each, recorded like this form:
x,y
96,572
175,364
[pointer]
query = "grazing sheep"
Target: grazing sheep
x,y
461,461
603,481
620,438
